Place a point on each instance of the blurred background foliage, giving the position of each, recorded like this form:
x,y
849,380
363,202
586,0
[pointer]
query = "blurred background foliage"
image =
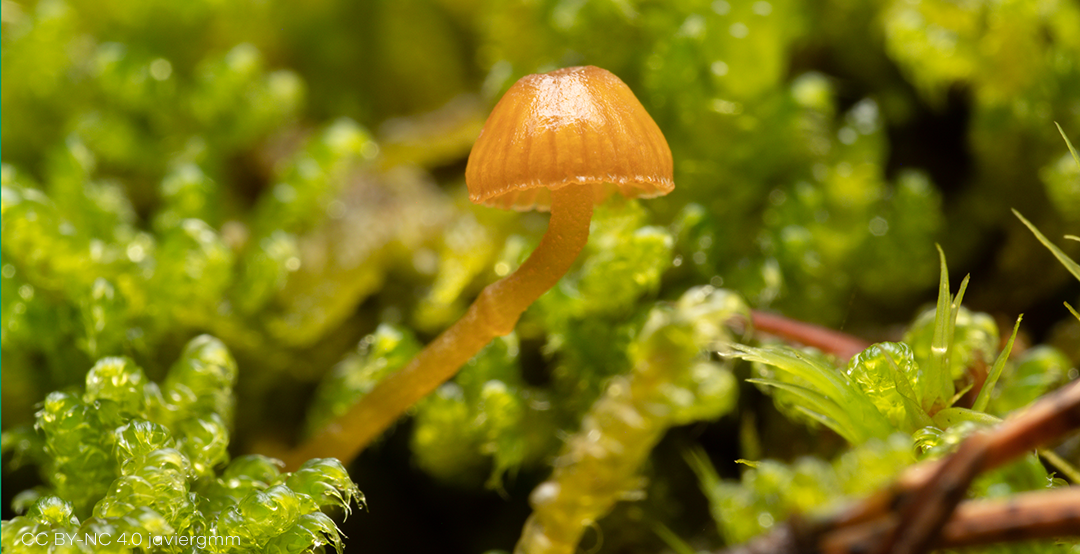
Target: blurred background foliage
x,y
289,179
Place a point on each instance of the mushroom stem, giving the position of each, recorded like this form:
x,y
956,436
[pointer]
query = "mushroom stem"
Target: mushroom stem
x,y
494,313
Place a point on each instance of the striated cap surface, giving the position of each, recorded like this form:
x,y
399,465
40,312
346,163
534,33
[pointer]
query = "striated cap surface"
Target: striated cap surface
x,y
576,126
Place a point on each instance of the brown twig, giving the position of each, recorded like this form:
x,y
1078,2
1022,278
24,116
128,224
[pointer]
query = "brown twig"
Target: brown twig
x,y
1048,514
920,510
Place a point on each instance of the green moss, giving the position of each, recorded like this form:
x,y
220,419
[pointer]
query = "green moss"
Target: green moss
x,y
770,491
130,457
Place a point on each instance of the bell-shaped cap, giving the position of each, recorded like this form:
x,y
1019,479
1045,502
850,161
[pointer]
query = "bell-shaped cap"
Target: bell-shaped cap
x,y
579,126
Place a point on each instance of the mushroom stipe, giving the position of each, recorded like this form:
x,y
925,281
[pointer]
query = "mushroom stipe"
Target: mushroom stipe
x,y
561,141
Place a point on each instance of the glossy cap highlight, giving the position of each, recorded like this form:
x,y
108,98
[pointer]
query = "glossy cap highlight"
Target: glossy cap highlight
x,y
576,126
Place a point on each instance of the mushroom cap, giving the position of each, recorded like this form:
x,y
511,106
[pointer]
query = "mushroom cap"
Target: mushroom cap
x,y
573,126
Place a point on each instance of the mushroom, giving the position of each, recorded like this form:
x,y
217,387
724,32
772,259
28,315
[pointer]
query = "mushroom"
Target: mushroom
x,y
560,141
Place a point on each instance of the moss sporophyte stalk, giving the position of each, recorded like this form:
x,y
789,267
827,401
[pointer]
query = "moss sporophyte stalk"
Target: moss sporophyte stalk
x,y
561,141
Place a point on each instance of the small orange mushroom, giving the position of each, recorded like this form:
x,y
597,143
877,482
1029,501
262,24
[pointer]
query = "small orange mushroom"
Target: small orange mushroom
x,y
559,141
